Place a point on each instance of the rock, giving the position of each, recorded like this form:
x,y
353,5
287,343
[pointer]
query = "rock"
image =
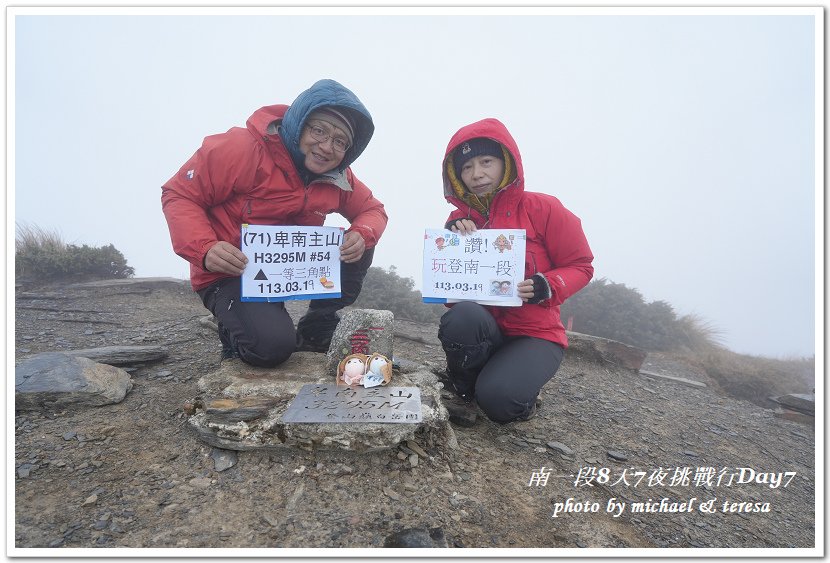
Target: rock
x,y
121,355
616,455
55,380
611,351
672,378
416,537
200,482
795,416
561,448
361,331
243,408
412,445
91,499
223,459
231,411
132,282
388,491
799,402
690,453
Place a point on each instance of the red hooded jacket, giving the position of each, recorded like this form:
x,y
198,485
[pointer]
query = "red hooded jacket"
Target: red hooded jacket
x,y
246,175
556,245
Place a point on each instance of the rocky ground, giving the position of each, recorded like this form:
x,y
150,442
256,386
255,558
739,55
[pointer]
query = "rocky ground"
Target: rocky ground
x,y
134,474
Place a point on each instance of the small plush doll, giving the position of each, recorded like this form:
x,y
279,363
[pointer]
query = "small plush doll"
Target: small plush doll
x,y
351,369
378,371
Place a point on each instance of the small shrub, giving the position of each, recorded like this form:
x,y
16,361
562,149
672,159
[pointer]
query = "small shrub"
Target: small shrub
x,y
41,257
387,290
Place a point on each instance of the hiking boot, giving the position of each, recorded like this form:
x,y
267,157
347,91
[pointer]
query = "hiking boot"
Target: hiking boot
x,y
533,409
308,345
228,354
463,411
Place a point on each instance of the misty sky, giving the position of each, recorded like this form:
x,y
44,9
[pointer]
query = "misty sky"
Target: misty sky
x,y
685,143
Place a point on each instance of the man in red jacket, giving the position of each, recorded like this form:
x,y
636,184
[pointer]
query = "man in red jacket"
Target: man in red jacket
x,y
288,166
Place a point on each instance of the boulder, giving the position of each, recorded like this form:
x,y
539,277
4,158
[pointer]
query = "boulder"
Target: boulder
x,y
55,380
799,402
361,331
611,351
241,408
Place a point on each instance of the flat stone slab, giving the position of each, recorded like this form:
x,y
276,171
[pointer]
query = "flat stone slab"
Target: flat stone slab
x,y
798,401
795,416
131,282
121,355
241,408
611,351
675,379
59,381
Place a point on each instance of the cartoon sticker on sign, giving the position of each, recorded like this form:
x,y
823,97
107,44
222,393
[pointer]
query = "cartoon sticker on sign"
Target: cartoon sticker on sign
x,y
291,262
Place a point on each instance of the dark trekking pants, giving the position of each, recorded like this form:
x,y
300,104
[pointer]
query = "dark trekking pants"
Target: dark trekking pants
x,y
263,334
504,374
317,325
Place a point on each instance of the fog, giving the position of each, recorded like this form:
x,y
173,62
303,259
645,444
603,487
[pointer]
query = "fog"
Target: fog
x,y
686,141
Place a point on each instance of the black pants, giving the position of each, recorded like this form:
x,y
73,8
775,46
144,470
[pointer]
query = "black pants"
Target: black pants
x,y
263,333
504,374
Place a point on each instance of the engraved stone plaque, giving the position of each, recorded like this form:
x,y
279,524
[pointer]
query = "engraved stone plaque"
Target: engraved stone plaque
x,y
338,403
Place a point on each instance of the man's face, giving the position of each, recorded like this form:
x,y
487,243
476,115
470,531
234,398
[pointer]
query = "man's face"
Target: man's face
x,y
322,156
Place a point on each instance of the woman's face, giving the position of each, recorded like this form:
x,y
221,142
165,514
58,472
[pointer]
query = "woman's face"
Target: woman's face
x,y
321,156
482,174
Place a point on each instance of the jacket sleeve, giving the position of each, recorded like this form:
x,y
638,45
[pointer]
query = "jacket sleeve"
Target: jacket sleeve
x,y
365,212
569,252
206,180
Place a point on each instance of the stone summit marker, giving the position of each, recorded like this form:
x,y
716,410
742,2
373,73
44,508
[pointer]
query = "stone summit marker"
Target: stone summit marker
x,y
336,403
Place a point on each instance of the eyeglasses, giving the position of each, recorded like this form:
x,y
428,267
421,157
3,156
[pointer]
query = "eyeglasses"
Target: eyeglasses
x,y
322,135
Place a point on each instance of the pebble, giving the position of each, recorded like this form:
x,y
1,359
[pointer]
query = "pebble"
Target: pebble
x,y
616,455
200,482
391,494
561,448
223,459
690,453
24,470
417,449
91,499
69,435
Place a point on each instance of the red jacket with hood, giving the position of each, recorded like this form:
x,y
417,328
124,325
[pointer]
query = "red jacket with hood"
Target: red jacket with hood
x,y
556,245
247,175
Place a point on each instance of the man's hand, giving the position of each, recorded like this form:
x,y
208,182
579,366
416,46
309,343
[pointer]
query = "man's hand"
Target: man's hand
x,y
225,258
353,247
464,227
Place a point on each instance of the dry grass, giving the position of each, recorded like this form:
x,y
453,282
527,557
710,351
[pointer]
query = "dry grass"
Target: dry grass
x,y
755,378
28,237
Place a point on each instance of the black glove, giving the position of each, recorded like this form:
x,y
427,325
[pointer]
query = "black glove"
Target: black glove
x,y
541,289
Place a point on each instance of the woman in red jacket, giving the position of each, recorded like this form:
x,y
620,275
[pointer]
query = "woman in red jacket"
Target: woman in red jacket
x,y
502,356
288,166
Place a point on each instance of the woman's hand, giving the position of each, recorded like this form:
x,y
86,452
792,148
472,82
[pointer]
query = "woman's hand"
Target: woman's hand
x,y
525,291
464,227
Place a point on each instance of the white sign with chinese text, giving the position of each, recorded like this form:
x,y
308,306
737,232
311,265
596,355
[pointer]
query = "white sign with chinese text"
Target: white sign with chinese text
x,y
291,262
484,266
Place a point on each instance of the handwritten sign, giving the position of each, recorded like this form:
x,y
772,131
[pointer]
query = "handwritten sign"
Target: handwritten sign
x,y
484,266
336,403
291,262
